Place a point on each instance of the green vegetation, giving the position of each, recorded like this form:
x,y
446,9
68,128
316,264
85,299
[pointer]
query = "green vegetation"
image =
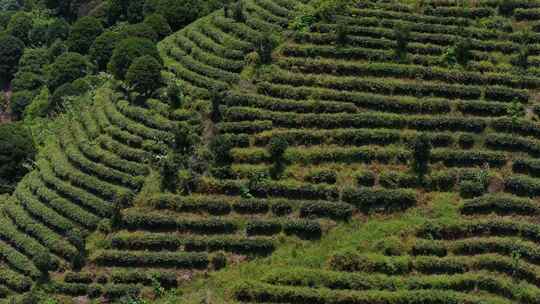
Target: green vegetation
x,y
270,151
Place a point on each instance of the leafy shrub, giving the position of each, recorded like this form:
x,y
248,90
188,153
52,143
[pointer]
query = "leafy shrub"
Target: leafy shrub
x,y
322,176
365,178
127,51
144,75
469,189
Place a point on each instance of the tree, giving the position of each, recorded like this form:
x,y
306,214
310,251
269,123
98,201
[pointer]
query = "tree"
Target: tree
x,y
159,24
402,35
421,150
19,101
20,26
463,51
33,60
66,68
169,166
265,45
276,148
43,262
58,48
60,95
134,12
180,13
26,81
16,149
11,50
238,12
140,30
58,29
144,75
103,47
83,33
127,51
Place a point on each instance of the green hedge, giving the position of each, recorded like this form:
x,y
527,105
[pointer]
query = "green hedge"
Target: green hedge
x,y
468,282
163,241
144,219
527,166
522,185
115,258
373,200
302,228
371,101
500,204
251,291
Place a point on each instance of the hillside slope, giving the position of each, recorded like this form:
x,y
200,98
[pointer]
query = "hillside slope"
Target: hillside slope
x,y
340,203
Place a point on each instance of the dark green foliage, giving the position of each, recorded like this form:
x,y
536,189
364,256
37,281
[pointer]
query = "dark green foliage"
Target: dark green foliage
x,y
421,154
221,147
134,11
60,94
83,33
20,26
58,48
341,33
169,165
466,141
64,8
219,261
159,24
66,68
264,46
402,35
463,51
470,189
58,29
365,178
238,11
140,30
522,58
11,50
322,176
144,75
179,13
127,51
102,49
276,148
33,60
44,262
16,149
27,81
174,95
19,101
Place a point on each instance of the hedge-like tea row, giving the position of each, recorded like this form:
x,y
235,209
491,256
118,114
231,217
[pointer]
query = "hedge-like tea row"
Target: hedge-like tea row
x,y
506,47
468,158
481,108
40,232
527,14
148,117
389,13
166,279
527,166
468,282
522,185
352,137
386,69
143,219
208,43
171,242
105,173
116,258
14,280
373,200
528,251
305,229
501,204
354,262
362,120
397,86
109,291
17,260
124,151
221,205
287,105
513,143
19,240
63,169
521,126
477,228
42,212
255,292
137,128
244,127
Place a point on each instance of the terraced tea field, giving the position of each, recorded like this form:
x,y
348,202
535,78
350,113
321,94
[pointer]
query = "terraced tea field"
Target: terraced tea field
x,y
309,196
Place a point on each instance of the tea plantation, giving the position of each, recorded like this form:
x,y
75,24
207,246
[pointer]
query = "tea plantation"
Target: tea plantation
x,y
306,152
